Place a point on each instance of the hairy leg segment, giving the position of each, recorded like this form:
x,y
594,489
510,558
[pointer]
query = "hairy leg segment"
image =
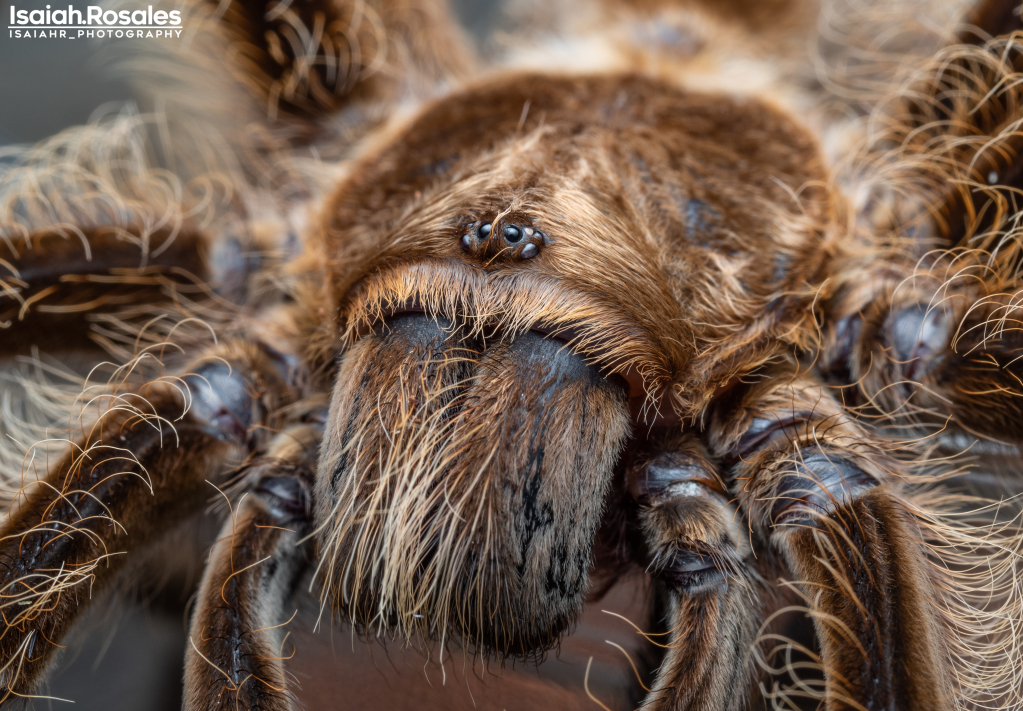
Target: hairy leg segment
x,y
145,464
238,635
820,491
923,326
700,552
788,486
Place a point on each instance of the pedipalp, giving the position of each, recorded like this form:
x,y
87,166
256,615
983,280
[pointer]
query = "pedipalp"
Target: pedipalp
x,y
701,554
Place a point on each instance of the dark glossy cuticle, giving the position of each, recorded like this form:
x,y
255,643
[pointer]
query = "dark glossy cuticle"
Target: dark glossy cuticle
x,y
691,571
820,484
287,495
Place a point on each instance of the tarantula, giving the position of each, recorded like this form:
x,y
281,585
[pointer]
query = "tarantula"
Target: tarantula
x,y
727,299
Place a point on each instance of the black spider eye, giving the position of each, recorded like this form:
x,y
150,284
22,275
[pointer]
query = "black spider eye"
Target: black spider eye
x,y
484,230
466,242
512,233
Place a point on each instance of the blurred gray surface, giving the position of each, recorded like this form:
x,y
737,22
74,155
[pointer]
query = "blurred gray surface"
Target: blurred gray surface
x,y
134,660
47,85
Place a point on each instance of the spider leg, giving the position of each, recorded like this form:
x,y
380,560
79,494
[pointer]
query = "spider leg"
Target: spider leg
x,y
699,552
926,328
817,488
353,52
140,469
49,280
236,657
935,350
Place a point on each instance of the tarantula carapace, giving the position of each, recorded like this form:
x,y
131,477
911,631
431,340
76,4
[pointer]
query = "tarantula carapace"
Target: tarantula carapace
x,y
726,301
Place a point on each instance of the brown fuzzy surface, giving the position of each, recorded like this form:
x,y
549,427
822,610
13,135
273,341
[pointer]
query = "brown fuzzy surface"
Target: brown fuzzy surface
x,y
728,305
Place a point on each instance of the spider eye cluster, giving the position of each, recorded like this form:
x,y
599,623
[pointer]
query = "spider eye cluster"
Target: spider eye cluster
x,y
517,241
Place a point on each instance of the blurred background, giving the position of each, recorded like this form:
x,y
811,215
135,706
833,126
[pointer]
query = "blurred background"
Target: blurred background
x,y
48,85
